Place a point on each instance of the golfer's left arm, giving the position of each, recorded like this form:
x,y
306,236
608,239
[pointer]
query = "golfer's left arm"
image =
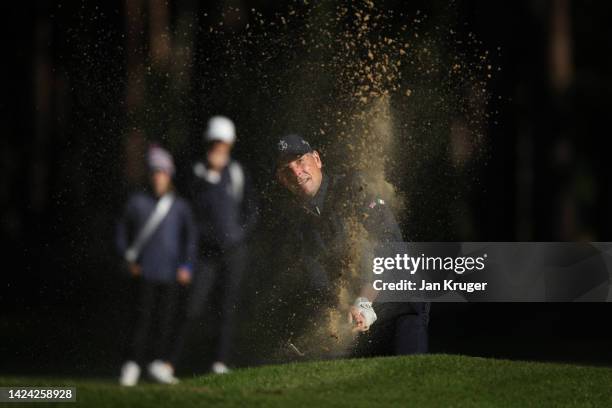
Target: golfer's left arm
x,y
382,228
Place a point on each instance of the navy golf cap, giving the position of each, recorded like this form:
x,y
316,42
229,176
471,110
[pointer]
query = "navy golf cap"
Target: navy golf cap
x,y
290,147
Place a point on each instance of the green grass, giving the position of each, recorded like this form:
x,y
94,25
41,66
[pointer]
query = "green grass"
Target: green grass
x,y
420,381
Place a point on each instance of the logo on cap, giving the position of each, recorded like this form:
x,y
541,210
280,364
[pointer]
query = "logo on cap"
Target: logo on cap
x,y
282,145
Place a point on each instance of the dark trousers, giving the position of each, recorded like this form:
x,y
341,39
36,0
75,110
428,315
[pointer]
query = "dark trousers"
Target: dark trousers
x,y
221,272
401,328
154,320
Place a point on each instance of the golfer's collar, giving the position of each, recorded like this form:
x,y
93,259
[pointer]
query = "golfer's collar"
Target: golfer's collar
x,y
316,204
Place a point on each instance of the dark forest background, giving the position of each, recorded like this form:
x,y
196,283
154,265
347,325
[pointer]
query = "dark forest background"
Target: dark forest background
x,y
79,104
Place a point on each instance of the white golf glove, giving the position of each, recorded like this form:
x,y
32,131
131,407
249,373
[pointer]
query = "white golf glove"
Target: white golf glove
x,y
364,307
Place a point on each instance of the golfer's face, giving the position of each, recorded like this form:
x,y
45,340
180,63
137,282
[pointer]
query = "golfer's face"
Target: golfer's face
x,y
302,176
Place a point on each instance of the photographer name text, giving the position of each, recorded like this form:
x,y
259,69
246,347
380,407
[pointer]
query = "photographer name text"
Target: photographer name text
x,y
446,285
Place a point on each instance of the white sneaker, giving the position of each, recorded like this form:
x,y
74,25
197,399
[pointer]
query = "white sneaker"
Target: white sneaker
x,y
130,372
162,372
219,367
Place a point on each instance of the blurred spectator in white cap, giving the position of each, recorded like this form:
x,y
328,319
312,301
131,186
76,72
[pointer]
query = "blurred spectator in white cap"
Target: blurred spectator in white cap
x,y
225,209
